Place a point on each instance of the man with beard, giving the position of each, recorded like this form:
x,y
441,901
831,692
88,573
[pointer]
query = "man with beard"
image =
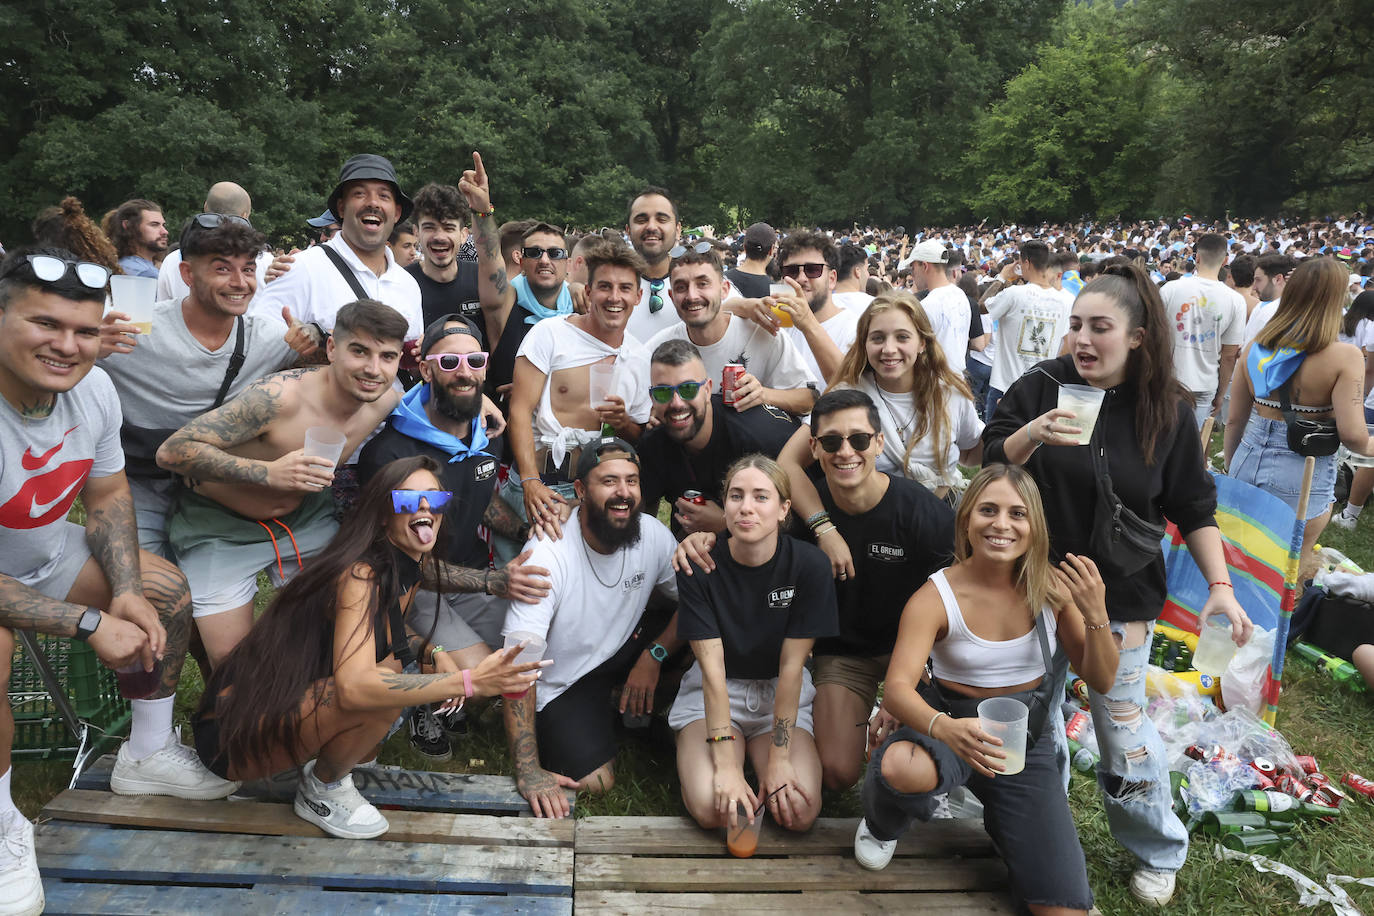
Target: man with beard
x,y
138,232
597,629
821,330
697,438
775,372
651,222
448,284
254,501
439,418
1271,275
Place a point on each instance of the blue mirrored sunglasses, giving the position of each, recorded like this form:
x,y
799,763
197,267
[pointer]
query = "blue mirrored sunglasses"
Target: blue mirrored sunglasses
x,y
403,501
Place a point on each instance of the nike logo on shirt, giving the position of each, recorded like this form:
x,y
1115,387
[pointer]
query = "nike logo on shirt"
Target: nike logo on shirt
x,y
38,510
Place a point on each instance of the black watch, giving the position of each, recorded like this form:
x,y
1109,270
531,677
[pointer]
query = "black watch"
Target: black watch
x,y
658,653
88,624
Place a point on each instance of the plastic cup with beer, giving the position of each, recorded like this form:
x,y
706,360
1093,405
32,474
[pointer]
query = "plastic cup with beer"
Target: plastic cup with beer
x,y
533,651
1086,402
600,383
325,443
1215,647
134,296
781,289
1006,718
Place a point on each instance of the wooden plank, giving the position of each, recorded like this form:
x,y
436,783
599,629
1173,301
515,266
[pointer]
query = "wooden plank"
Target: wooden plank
x,y
169,900
669,836
279,820
796,873
605,903
417,790
153,856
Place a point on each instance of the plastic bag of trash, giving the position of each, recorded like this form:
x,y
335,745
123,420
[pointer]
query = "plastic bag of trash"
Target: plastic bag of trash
x,y
1242,686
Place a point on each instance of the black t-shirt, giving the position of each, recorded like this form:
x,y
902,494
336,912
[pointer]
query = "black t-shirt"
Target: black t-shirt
x,y
750,286
896,545
667,469
975,323
752,609
472,481
458,295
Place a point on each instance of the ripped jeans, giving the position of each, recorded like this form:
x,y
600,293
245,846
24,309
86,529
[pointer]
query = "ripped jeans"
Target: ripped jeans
x,y
1133,773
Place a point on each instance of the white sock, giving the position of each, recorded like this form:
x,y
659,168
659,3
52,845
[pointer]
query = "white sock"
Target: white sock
x,y
6,803
1352,511
151,728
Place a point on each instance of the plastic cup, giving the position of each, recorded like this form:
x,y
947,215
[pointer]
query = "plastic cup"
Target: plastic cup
x,y
533,652
325,442
601,383
134,296
1007,719
743,840
1215,647
1360,461
1086,402
135,683
781,289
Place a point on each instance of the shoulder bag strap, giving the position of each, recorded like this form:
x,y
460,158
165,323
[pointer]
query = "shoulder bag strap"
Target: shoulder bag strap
x,y
235,364
347,272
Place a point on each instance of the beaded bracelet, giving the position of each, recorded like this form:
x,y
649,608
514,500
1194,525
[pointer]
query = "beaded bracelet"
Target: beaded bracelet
x,y
1096,626
491,208
819,518
716,739
1212,585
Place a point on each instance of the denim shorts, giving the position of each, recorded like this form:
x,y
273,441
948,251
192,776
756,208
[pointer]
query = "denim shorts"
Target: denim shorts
x,y
1263,459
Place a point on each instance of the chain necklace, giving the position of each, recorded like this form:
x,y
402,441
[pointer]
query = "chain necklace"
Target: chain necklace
x,y
887,405
586,550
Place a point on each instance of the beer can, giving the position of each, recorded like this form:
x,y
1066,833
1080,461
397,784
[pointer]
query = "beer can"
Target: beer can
x,y
729,378
1357,783
694,496
1264,782
1317,780
1264,766
1330,796
1074,728
1197,752
1308,763
1290,785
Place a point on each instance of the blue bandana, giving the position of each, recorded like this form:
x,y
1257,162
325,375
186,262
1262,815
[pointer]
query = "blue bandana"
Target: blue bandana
x,y
410,419
1269,369
525,296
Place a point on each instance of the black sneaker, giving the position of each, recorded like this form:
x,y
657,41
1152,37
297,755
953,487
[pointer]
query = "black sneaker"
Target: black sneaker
x,y
455,721
426,735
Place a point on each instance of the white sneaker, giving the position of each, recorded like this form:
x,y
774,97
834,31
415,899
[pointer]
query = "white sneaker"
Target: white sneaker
x,y
174,770
21,888
1341,520
1154,888
943,811
871,852
341,811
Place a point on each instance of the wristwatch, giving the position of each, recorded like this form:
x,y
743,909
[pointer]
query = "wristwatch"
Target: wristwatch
x,y
89,622
658,653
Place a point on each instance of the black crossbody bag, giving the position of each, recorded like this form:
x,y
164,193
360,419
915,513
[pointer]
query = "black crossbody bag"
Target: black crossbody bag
x,y
1309,438
1121,543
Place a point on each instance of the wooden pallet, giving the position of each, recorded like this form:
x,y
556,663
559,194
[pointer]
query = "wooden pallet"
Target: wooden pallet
x,y
638,865
104,853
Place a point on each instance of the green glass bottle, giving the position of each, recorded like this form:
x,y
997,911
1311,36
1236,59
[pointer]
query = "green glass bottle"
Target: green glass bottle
x,y
1279,806
1263,842
1220,823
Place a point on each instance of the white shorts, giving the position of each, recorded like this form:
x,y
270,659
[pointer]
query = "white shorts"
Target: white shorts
x,y
751,703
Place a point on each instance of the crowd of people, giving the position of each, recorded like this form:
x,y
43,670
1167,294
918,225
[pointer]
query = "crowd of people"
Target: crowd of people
x,y
511,406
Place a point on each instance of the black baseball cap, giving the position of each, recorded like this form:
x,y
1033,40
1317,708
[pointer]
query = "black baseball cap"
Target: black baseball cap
x,y
607,448
438,329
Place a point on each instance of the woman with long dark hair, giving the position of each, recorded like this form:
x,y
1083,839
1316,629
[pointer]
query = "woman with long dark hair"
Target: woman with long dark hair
x,y
1146,441
323,673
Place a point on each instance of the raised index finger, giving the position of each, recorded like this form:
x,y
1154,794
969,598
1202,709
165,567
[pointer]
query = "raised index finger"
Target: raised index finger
x,y
479,168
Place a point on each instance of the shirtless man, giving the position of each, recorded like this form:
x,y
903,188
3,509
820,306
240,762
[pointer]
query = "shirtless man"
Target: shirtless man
x,y
252,492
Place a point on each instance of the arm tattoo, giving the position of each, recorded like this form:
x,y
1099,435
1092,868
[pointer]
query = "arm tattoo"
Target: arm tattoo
x,y
447,578
408,682
782,732
166,590
524,749
489,244
25,608
197,450
501,518
113,539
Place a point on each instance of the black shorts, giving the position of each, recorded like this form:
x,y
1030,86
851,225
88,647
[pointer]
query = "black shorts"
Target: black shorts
x,y
576,730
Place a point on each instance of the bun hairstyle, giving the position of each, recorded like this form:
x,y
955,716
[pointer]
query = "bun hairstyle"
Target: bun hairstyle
x,y
1151,365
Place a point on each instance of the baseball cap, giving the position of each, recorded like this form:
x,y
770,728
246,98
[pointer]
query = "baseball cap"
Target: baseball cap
x,y
437,331
930,251
607,448
759,238
324,220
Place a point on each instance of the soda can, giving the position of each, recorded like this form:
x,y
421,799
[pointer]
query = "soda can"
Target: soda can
x,y
1357,783
1197,752
1330,796
1074,728
1264,766
694,496
1308,763
729,378
1290,785
1264,782
1317,780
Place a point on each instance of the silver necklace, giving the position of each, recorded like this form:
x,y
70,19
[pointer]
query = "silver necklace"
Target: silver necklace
x,y
591,564
887,405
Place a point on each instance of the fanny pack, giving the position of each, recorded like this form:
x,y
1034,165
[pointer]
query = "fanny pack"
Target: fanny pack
x,y
1309,438
1039,701
1121,542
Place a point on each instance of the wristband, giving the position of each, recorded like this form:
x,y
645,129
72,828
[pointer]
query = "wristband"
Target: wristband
x,y
813,521
824,530
467,682
488,212
434,653
486,583
717,739
930,728
1212,585
525,480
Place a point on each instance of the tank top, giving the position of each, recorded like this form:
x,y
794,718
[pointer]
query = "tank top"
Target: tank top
x,y
965,658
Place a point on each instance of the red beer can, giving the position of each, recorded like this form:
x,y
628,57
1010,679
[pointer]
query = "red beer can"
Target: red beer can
x,y
1290,785
729,378
1330,796
694,496
1264,766
1317,780
1197,752
1308,763
1264,781
1073,730
1357,783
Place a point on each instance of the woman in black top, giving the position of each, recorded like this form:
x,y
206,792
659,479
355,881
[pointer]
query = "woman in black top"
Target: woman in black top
x,y
320,675
752,622
1119,341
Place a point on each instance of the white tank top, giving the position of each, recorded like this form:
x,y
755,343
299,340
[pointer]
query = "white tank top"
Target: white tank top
x,y
965,658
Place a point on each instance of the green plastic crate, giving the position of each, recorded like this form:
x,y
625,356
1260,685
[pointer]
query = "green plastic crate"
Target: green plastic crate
x,y
39,730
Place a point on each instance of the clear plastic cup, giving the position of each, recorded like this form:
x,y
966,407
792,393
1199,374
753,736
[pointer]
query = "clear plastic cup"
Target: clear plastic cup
x,y
601,383
134,296
743,839
326,443
1086,402
781,289
1215,647
137,684
1006,718
533,652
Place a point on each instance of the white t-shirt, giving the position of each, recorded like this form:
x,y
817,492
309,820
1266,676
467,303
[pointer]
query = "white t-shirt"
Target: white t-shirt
x,y
583,620
774,361
171,286
896,413
1364,339
1031,324
644,323
840,328
855,302
1204,315
554,344
1259,318
44,465
950,316
315,290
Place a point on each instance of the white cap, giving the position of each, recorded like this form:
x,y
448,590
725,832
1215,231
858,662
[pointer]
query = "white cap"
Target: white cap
x,y
931,251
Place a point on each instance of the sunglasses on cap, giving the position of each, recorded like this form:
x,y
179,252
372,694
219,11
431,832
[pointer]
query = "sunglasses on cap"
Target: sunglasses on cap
x,y
215,220
663,394
450,362
656,295
534,253
404,501
50,268
701,247
812,270
858,441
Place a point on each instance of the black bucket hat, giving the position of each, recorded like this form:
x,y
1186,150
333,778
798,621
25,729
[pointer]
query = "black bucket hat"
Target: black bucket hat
x,y
365,167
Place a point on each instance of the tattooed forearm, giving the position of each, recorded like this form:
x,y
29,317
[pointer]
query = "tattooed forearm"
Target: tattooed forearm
x,y
409,682
487,238
782,732
524,749
501,518
448,578
25,608
112,536
198,449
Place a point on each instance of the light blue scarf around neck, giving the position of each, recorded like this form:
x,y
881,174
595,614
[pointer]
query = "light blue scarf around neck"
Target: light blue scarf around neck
x,y
525,296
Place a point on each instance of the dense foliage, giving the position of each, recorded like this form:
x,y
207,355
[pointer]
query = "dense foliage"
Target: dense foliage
x,y
797,111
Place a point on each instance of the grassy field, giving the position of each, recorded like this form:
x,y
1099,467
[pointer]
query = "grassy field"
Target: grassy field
x,y
1316,716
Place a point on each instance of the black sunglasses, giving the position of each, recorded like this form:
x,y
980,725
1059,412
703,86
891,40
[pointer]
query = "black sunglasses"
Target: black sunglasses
x,y
50,268
812,270
656,295
858,441
700,248
534,253
663,394
215,220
